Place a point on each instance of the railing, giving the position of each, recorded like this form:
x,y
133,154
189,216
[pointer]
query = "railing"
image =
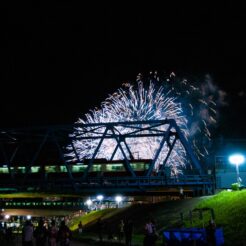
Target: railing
x,y
204,184
43,205
139,180
147,181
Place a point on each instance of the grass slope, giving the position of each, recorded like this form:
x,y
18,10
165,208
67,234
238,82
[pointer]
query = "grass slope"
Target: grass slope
x,y
91,217
165,214
230,214
229,208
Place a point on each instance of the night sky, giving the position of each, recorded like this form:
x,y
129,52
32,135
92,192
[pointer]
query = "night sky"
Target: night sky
x,y
61,60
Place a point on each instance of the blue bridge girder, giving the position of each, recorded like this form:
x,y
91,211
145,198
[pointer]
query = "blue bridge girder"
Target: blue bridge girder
x,y
17,144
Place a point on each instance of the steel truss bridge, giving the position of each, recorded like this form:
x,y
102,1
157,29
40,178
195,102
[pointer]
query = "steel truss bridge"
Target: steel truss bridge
x,y
27,153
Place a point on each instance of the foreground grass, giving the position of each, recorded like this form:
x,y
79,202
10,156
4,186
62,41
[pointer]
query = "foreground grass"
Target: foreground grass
x,y
230,214
91,217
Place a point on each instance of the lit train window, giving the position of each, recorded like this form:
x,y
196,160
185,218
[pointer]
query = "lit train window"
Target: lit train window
x,y
115,167
35,169
63,169
78,168
138,166
20,169
96,168
51,169
4,170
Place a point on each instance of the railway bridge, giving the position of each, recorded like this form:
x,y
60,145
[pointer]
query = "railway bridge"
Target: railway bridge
x,y
37,159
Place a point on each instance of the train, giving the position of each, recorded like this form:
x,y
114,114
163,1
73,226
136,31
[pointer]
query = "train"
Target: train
x,y
100,168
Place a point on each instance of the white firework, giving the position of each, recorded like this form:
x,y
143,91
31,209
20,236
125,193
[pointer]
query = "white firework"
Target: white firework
x,y
134,104
158,97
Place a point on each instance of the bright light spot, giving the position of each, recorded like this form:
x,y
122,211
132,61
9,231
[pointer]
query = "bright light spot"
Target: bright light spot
x,y
28,217
88,202
7,216
118,199
100,197
236,159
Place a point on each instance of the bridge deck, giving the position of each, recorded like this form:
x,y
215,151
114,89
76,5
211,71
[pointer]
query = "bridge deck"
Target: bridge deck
x,y
118,184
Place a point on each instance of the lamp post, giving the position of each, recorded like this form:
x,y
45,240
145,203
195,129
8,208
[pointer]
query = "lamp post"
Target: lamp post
x,y
118,200
237,159
28,217
88,203
100,198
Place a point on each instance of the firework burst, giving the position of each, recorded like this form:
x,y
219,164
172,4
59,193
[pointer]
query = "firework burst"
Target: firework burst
x,y
152,98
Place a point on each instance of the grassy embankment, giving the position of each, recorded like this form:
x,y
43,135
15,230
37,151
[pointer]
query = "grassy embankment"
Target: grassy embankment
x,y
164,213
229,208
230,214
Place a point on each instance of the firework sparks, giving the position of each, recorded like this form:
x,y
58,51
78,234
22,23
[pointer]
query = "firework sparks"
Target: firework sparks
x,y
151,99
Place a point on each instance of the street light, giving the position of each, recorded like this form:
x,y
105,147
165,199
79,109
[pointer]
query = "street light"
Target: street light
x,y
28,217
237,159
118,199
7,216
88,203
100,198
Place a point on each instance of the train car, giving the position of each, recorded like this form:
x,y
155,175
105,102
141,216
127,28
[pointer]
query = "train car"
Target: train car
x,y
100,168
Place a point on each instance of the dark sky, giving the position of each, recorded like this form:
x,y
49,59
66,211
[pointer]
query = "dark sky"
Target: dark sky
x,y
61,60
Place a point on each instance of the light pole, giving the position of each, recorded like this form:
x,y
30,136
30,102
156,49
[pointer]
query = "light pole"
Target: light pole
x,y
100,198
28,217
237,159
118,200
88,203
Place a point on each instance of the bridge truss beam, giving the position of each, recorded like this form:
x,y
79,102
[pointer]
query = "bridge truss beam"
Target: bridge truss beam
x,y
16,144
